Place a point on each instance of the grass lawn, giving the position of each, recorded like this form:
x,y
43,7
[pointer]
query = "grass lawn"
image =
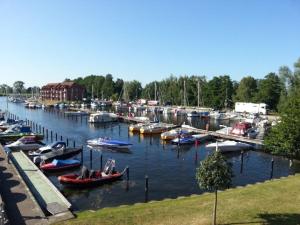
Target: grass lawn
x,y
273,202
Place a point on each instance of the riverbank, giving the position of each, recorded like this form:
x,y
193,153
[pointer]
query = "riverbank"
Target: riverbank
x,y
272,202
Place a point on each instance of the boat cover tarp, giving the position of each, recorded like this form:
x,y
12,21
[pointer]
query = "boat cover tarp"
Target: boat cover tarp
x,y
59,162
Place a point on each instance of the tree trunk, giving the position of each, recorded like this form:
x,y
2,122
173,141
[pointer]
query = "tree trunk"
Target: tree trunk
x,y
215,208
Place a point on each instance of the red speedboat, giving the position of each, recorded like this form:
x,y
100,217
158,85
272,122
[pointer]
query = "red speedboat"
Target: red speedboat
x,y
92,178
58,165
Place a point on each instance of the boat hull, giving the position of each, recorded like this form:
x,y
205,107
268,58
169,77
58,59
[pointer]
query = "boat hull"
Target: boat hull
x,y
71,180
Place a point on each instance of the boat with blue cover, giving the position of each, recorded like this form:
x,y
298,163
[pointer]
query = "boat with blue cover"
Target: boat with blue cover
x,y
59,164
109,143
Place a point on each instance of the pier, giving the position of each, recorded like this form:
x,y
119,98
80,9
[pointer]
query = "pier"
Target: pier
x,y
227,136
42,202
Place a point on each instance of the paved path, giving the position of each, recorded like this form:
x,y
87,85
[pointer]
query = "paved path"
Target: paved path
x,y
20,205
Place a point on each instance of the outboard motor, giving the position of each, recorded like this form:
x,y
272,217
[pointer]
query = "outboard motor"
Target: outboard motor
x,y
37,160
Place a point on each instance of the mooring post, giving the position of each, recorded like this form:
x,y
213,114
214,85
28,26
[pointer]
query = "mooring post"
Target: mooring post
x,y
127,173
101,162
36,128
43,130
242,161
91,158
146,188
55,136
67,142
51,135
47,133
61,137
40,129
74,144
272,167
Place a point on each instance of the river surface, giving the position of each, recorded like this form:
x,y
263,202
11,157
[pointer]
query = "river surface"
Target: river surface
x,y
171,170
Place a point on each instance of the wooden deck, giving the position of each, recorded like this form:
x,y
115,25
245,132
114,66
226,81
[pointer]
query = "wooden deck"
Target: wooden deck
x,y
228,136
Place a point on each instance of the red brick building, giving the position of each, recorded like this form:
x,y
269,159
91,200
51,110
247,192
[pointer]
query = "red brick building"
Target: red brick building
x,y
65,91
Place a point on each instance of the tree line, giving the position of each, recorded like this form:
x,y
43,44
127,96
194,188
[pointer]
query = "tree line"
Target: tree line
x,y
219,93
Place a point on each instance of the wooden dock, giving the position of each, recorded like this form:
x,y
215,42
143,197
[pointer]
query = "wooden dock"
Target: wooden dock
x,y
228,136
46,194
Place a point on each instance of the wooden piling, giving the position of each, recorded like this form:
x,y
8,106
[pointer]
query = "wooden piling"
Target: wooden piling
x,y
146,188
242,161
272,167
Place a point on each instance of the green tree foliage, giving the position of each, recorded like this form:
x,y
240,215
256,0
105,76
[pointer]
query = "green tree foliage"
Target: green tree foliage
x,y
4,88
269,90
219,92
134,89
18,86
246,90
108,86
213,174
284,138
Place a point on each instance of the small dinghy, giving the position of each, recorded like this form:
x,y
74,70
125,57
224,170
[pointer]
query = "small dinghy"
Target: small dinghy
x,y
228,146
183,140
92,178
109,143
59,165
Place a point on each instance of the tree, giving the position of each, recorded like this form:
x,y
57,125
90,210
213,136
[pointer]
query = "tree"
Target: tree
x,y
269,90
108,86
246,90
213,174
284,138
18,86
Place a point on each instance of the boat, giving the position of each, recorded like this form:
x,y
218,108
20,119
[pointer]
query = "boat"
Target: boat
x,y
76,113
240,128
59,165
48,148
109,143
193,114
92,178
17,131
184,140
62,153
102,117
156,128
228,146
25,143
174,133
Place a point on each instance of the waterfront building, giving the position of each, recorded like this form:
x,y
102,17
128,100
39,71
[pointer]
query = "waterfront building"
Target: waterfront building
x,y
65,91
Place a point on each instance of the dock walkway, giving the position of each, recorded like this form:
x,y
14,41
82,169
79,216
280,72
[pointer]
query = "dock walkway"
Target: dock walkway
x,y
20,206
46,194
228,136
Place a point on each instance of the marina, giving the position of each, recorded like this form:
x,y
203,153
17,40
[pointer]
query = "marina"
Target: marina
x,y
164,164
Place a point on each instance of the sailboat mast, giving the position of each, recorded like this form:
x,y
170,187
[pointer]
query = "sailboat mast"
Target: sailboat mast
x,y
155,91
198,85
184,94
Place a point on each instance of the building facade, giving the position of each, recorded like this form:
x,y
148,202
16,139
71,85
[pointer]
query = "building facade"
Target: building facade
x,y
65,91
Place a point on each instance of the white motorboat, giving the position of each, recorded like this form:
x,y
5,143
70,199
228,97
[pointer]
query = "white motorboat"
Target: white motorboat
x,y
102,117
59,145
25,143
228,146
109,143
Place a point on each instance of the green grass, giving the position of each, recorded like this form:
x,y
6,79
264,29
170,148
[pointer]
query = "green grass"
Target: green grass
x,y
273,202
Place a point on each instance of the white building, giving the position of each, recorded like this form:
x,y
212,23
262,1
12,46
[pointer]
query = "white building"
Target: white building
x,y
248,107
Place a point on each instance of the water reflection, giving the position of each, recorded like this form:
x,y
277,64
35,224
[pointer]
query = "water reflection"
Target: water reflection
x,y
170,168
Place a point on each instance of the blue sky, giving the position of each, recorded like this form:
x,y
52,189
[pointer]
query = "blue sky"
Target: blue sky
x,y
47,41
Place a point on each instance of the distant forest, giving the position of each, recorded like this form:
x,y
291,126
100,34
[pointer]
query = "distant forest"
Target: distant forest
x,y
220,92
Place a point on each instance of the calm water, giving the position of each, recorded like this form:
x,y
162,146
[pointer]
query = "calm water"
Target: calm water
x,y
171,170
